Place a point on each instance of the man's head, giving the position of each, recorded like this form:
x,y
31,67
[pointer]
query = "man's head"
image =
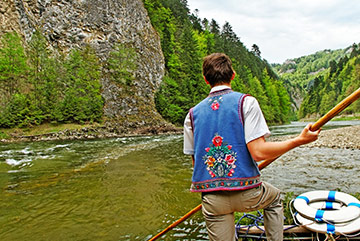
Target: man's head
x,y
217,69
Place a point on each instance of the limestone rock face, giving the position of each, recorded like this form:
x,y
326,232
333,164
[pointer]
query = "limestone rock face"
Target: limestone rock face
x,y
69,24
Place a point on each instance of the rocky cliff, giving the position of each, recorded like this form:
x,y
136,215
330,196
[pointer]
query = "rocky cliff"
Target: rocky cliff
x,y
69,24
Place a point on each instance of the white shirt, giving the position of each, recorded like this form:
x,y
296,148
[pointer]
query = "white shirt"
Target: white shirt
x,y
254,122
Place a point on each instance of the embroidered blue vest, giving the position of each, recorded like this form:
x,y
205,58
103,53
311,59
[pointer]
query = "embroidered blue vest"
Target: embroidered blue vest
x,y
222,160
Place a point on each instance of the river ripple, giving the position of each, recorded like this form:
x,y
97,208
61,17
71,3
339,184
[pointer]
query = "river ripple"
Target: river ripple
x,y
132,188
305,169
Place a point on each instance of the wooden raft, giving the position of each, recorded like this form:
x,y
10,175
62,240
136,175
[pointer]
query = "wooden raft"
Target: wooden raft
x,y
256,230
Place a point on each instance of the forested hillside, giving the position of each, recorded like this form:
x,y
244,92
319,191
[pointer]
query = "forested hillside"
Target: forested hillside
x,y
40,86
319,81
185,40
37,87
340,80
297,73
300,71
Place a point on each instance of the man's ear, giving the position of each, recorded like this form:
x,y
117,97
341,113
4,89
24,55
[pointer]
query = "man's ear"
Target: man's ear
x,y
207,82
233,75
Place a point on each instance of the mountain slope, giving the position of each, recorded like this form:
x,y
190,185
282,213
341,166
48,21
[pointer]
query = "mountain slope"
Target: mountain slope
x,y
299,72
68,26
186,39
318,81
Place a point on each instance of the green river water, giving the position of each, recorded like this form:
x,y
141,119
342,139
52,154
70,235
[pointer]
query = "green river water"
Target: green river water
x,y
132,188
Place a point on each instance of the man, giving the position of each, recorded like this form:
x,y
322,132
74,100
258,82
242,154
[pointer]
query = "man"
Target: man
x,y
225,134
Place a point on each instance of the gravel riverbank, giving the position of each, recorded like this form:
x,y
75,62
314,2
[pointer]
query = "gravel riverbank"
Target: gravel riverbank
x,y
345,137
100,132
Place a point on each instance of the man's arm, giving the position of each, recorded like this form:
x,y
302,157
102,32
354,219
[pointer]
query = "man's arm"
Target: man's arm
x,y
260,149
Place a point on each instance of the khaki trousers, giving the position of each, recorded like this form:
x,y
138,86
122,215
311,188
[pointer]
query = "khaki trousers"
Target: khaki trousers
x,y
218,209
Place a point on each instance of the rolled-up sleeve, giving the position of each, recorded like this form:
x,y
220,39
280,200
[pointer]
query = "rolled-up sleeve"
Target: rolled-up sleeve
x,y
255,124
188,136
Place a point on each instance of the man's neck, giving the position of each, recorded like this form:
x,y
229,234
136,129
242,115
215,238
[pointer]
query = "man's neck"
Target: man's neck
x,y
227,84
220,87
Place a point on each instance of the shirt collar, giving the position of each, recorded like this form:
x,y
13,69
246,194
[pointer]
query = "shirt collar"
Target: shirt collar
x,y
219,87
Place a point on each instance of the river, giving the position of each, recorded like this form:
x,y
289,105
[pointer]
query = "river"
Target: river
x,y
132,188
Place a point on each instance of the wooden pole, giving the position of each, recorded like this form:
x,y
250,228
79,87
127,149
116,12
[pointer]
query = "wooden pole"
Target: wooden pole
x,y
173,225
317,125
336,110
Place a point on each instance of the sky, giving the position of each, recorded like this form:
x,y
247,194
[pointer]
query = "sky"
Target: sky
x,y
286,29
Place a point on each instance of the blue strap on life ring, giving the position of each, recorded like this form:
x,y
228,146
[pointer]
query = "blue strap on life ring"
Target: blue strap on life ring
x,y
354,204
330,228
329,205
331,196
305,198
319,215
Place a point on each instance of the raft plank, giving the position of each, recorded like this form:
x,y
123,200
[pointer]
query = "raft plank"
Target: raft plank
x,y
255,230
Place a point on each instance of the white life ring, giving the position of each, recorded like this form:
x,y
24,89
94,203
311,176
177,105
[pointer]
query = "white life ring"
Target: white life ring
x,y
347,228
346,214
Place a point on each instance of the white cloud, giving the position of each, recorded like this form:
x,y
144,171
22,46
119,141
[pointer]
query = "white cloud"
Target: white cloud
x,y
287,29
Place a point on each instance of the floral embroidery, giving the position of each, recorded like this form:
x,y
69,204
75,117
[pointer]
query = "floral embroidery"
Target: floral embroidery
x,y
226,184
220,159
217,141
215,101
215,105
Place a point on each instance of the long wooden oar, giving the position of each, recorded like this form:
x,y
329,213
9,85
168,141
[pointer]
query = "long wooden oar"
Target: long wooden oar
x,y
317,125
173,225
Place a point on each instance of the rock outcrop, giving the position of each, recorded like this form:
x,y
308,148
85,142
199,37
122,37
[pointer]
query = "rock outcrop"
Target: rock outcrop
x,y
69,24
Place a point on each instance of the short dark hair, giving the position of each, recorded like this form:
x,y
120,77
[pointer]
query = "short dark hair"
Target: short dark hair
x,y
217,68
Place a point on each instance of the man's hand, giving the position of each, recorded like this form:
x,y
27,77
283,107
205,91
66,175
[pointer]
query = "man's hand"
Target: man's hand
x,y
307,135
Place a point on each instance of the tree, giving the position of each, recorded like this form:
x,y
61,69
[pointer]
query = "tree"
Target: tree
x,y
214,27
169,100
273,100
122,64
196,21
284,99
255,50
13,66
82,100
165,23
205,24
191,83
43,79
13,78
230,40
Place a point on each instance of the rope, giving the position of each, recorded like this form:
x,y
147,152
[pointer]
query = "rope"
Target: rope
x,y
257,221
